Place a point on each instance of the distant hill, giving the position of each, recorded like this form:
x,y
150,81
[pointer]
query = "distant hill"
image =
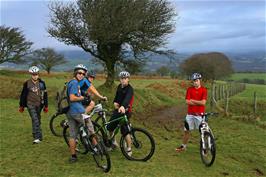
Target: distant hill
x,y
241,61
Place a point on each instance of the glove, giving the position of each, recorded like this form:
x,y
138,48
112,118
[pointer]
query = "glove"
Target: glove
x,y
104,98
45,109
21,109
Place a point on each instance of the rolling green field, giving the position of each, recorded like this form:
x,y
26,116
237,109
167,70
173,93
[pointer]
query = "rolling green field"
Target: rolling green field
x,y
241,146
240,76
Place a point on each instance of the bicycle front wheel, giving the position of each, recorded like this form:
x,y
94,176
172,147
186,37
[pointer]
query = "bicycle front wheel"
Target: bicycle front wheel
x,y
101,156
207,149
56,124
142,145
81,143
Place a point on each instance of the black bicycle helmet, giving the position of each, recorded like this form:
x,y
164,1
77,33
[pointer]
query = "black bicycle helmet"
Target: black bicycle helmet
x,y
91,73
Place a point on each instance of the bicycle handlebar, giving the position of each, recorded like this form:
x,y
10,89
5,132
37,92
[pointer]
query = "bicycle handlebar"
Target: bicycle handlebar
x,y
209,114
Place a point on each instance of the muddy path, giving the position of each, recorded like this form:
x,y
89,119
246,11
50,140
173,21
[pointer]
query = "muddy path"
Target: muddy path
x,y
170,118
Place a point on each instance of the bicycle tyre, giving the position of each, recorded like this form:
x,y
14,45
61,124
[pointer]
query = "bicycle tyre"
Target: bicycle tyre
x,y
204,154
138,137
55,124
102,157
81,146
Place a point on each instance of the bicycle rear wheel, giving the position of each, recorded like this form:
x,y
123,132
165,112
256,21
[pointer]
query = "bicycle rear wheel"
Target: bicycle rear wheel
x,y
208,153
142,146
56,124
101,156
81,145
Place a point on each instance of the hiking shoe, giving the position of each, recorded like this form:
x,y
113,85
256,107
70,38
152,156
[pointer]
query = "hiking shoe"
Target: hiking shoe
x,y
114,144
180,149
73,159
129,152
36,141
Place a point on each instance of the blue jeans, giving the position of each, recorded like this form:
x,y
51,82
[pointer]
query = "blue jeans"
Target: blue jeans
x,y
35,114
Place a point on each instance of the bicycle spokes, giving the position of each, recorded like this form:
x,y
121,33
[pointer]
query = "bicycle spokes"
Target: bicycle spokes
x,y
142,145
207,149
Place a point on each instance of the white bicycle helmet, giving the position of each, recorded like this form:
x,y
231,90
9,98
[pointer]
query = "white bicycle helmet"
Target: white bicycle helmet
x,y
80,66
34,69
124,74
195,76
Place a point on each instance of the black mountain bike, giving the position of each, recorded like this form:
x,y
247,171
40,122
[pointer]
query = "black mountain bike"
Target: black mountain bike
x,y
143,145
207,141
84,145
56,123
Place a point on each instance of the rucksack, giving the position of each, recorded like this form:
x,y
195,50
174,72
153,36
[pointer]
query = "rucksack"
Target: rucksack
x,y
62,100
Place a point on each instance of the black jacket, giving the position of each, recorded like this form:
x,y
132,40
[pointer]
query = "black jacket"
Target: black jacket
x,y
124,96
24,94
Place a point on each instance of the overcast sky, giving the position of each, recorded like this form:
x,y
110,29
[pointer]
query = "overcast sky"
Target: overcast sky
x,y
201,25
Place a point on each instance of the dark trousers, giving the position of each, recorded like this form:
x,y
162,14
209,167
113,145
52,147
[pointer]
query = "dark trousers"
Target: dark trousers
x,y
124,127
35,114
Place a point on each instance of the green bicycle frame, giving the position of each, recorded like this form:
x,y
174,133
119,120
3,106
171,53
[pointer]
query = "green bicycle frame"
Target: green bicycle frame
x,y
123,119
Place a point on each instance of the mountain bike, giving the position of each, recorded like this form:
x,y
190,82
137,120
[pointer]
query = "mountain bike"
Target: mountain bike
x,y
56,123
143,145
207,141
84,145
57,120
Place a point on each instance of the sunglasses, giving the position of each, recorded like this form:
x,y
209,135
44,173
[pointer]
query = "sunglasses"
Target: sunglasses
x,y
81,73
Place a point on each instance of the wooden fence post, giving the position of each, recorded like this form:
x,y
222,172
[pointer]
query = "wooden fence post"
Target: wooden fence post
x,y
255,103
227,101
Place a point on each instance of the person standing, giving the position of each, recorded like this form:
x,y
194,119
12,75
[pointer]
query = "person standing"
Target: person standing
x,y
196,98
123,103
34,97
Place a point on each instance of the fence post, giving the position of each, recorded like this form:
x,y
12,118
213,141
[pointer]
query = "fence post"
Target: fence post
x,y
227,101
212,95
223,92
255,103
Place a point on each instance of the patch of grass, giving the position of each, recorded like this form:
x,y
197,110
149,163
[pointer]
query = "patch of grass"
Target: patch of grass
x,y
240,149
251,76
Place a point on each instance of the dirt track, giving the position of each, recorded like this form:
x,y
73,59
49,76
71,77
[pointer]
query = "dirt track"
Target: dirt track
x,y
169,118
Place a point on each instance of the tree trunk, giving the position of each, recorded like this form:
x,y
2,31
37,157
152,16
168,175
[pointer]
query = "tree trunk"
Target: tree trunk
x,y
110,66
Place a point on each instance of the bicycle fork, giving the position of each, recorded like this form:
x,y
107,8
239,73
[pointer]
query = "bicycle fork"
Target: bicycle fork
x,y
204,129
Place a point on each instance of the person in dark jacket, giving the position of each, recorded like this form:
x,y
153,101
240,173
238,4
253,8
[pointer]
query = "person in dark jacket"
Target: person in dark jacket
x,y
123,102
34,97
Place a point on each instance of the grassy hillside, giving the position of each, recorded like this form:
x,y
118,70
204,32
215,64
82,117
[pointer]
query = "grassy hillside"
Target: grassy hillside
x,y
240,76
241,146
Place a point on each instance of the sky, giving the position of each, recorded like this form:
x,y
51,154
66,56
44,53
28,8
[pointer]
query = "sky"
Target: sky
x,y
201,25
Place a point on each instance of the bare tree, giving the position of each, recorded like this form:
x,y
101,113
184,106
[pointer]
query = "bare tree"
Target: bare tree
x,y
109,29
13,45
47,58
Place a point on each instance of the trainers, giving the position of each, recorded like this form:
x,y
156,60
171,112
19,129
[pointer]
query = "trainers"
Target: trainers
x,y
180,149
73,159
129,152
36,141
114,144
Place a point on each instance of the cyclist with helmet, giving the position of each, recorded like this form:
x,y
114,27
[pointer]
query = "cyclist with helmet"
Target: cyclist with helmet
x,y
34,97
123,102
76,110
87,88
196,98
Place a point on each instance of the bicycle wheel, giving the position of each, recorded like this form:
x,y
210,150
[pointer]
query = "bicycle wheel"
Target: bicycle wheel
x,y
142,146
208,153
101,156
81,145
56,122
